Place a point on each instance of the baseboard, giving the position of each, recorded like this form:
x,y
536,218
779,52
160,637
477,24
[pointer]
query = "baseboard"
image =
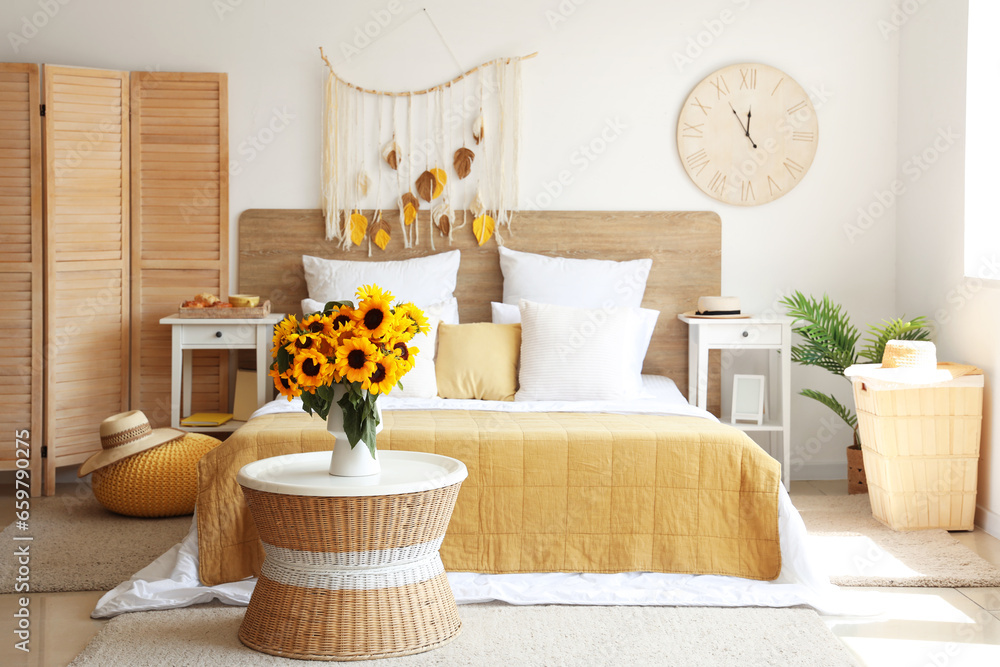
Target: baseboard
x,y
820,470
988,521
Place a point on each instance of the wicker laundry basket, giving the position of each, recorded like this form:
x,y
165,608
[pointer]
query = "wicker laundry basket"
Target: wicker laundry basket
x,y
921,450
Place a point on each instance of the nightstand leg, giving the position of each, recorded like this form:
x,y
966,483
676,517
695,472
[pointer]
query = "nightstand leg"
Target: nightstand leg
x,y
262,359
175,377
186,381
702,377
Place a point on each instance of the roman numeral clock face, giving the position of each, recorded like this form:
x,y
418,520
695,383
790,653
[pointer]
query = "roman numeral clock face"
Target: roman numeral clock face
x,y
747,134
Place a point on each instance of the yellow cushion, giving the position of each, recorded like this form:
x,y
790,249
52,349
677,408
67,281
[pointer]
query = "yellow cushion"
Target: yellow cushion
x,y
478,360
162,481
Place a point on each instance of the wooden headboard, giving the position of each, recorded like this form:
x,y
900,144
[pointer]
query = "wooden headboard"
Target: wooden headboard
x,y
685,247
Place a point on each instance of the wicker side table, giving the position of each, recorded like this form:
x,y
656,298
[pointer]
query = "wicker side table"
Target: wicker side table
x,y
352,569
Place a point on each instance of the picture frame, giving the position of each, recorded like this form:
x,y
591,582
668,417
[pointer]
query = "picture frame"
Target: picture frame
x,y
748,398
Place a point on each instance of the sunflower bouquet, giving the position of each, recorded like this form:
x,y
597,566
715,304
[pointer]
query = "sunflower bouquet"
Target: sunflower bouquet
x,y
364,350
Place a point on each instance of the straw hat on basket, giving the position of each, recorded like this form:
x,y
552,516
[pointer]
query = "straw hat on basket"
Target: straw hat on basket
x,y
910,362
124,435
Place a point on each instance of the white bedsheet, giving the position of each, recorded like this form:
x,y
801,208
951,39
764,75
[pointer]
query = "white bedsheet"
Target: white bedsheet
x,y
171,580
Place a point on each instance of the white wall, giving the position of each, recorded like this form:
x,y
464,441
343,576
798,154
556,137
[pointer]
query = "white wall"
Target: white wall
x,y
929,247
600,61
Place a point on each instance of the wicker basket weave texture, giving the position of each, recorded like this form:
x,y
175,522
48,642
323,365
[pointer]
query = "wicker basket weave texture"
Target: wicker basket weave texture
x,y
159,482
314,608
921,452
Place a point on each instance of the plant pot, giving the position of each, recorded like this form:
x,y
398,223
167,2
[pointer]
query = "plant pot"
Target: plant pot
x,y
347,461
857,482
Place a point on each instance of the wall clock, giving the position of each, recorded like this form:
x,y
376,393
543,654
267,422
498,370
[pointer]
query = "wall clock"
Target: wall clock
x,y
747,134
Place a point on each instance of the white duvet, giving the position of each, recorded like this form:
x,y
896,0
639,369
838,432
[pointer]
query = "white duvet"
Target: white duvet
x,y
171,580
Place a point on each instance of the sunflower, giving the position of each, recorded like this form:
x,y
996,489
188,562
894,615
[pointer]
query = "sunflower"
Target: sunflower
x,y
285,384
283,331
383,378
302,341
414,319
319,324
311,369
405,356
366,292
342,322
373,317
356,359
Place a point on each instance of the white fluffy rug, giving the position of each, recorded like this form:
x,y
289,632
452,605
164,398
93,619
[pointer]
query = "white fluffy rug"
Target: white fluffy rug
x,y
499,634
857,550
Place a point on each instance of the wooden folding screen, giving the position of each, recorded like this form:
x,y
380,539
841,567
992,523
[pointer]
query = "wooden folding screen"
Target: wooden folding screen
x,y
21,266
87,258
180,223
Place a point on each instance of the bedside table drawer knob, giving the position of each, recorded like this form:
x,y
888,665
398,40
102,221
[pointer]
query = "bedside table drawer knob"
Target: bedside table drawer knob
x,y
746,334
218,334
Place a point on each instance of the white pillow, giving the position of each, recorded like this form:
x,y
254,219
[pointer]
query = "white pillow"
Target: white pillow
x,y
422,280
505,313
446,311
421,381
578,354
582,283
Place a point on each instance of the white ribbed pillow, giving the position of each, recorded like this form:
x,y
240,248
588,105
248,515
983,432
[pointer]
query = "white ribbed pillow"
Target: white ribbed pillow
x,y
578,354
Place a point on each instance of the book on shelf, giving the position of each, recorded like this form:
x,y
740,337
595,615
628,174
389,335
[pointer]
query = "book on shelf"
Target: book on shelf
x,y
207,419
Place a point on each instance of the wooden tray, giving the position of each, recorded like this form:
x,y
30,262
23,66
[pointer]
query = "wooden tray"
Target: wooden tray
x,y
262,310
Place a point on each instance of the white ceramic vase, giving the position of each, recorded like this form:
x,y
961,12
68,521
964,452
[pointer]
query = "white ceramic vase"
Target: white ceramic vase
x,y
347,461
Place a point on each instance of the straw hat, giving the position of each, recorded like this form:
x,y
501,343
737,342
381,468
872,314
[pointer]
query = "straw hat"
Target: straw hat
x,y
718,308
909,362
123,435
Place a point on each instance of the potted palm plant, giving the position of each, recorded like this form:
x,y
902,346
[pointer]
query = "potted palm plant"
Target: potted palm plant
x,y
830,341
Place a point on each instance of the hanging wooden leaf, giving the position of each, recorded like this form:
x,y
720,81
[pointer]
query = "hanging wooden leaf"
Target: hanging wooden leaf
x,y
441,216
390,153
426,185
379,231
478,130
482,227
410,206
359,226
364,183
463,161
477,207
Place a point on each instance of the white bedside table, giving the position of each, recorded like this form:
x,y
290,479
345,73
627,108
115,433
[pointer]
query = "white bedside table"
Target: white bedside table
x,y
215,334
771,334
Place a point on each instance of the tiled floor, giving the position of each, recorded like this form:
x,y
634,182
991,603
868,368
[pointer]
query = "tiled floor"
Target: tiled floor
x,y
924,627
934,627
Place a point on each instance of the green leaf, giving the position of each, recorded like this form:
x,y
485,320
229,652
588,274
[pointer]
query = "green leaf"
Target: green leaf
x,y
284,360
839,408
894,329
335,305
829,337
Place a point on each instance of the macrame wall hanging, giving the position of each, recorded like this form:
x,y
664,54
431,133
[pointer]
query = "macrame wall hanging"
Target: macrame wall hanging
x,y
437,155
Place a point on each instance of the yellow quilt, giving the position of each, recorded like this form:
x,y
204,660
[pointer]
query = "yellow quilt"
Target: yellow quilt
x,y
546,492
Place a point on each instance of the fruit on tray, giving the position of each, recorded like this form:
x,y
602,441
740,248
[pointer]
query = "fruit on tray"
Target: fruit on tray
x,y
206,300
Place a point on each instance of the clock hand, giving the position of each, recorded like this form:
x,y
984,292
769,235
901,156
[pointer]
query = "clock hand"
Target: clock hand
x,y
746,132
748,129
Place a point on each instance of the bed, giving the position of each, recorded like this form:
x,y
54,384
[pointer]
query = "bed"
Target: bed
x,y
655,492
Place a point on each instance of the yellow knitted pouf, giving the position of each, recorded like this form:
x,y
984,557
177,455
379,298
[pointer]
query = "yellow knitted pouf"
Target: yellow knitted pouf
x,y
162,481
